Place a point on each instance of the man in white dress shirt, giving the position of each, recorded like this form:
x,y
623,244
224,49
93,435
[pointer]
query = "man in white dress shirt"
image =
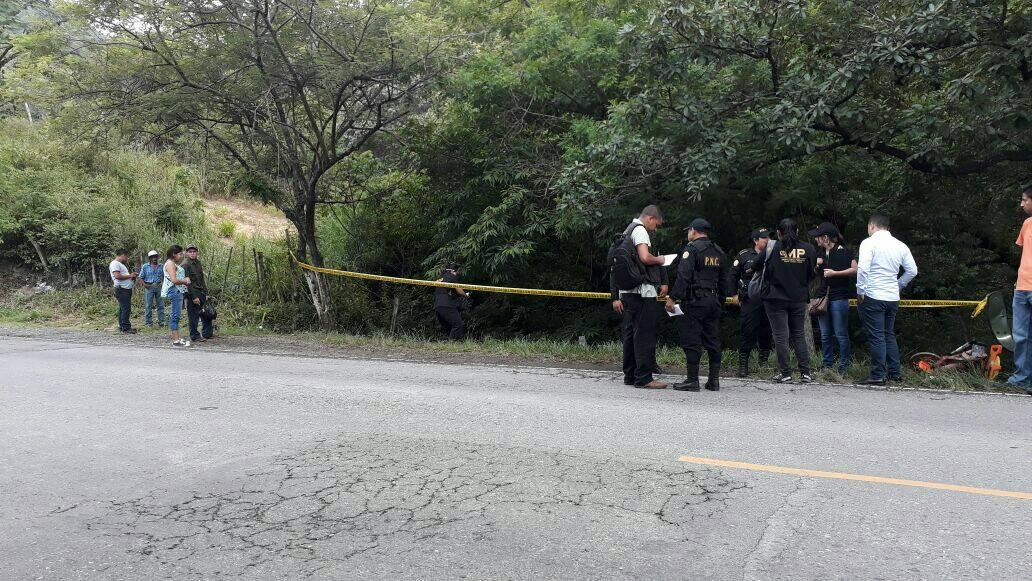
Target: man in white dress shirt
x,y
878,282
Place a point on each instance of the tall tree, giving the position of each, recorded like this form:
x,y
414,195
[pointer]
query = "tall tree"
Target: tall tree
x,y
943,87
287,88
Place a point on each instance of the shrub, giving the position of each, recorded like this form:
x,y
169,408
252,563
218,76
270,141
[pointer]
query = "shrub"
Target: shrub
x,y
226,228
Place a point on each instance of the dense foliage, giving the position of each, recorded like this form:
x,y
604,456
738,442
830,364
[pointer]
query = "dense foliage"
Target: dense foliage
x,y
522,136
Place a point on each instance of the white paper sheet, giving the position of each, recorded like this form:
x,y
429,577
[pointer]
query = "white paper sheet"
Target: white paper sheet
x,y
668,259
677,311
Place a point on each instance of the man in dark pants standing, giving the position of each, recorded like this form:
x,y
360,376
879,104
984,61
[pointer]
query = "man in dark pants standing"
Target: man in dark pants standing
x,y
448,304
196,295
639,306
700,284
754,328
878,286
123,280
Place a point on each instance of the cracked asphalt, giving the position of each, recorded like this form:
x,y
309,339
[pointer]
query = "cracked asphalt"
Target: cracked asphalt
x,y
125,462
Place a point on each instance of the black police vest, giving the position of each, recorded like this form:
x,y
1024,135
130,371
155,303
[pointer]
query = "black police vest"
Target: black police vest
x,y
709,260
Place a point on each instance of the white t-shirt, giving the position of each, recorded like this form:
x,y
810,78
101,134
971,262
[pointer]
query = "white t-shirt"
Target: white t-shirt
x,y
641,236
117,266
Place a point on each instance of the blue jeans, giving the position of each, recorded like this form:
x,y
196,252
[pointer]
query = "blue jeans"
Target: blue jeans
x,y
176,299
879,318
153,299
1022,307
835,329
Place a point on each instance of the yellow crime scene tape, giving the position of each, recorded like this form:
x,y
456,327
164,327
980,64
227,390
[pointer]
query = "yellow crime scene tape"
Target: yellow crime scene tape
x,y
978,306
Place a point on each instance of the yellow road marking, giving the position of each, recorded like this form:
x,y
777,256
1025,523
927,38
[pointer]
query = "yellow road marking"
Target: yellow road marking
x,y
859,477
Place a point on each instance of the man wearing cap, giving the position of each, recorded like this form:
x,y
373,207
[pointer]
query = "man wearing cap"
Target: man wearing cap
x,y
448,304
753,326
151,277
836,267
700,284
196,295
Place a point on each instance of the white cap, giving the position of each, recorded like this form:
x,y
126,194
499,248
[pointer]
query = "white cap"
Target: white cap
x,y
152,253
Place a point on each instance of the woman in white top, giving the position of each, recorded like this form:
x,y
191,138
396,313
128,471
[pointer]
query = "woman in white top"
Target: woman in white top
x,y
174,287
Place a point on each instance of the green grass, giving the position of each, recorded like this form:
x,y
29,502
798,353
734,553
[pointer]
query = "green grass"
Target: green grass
x,y
95,308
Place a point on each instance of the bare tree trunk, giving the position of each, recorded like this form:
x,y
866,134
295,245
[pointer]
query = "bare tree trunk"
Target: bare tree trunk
x,y
808,331
320,300
39,252
318,289
394,314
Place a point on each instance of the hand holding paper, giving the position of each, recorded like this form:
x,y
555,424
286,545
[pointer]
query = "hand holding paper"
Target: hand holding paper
x,y
668,259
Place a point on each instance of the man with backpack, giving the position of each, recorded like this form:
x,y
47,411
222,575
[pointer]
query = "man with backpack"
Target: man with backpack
x,y
636,279
196,297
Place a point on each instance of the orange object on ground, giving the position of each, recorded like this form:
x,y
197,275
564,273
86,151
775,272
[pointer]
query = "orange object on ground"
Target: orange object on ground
x,y
992,363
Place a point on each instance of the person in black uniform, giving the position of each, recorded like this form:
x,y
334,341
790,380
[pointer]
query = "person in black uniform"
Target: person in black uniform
x,y
754,328
448,304
700,286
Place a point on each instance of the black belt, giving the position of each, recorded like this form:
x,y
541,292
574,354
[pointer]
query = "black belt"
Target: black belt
x,y
701,293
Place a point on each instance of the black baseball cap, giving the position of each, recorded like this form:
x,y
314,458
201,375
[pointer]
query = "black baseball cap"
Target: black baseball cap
x,y
825,229
700,224
759,233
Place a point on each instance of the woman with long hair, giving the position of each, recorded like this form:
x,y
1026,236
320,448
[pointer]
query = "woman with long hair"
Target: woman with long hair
x,y
836,267
174,287
788,269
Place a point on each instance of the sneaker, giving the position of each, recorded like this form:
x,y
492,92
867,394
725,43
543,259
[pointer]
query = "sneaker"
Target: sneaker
x,y
806,378
181,343
782,378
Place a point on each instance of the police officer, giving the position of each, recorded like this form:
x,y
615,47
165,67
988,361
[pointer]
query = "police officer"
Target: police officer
x,y
754,328
700,285
449,303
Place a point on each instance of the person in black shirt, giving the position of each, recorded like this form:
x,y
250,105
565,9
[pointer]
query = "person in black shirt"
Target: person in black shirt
x,y
836,270
448,304
787,272
701,278
753,327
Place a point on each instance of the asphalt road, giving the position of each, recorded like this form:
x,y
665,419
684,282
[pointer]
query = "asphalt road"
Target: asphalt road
x,y
146,463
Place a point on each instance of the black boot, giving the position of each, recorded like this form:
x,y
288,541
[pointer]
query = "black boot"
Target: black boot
x,y
764,357
691,382
713,383
743,365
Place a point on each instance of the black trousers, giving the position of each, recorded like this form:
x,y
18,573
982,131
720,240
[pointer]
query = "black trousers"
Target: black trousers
x,y
754,328
193,315
699,329
125,306
451,322
787,326
640,319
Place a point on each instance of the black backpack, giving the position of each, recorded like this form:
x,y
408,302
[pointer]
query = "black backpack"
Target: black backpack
x,y
624,266
208,312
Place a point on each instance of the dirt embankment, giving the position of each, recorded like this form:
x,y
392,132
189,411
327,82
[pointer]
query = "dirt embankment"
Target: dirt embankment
x,y
248,218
